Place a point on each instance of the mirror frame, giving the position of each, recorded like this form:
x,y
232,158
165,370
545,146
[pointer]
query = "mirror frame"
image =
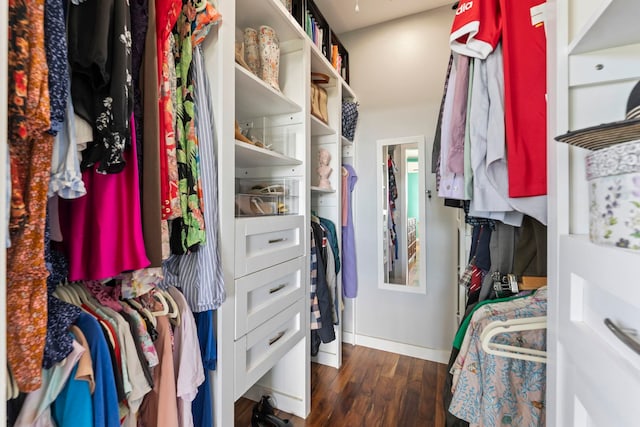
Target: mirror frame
x,y
419,141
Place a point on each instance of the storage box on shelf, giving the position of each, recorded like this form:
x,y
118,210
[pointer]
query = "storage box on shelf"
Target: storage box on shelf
x,y
614,194
277,196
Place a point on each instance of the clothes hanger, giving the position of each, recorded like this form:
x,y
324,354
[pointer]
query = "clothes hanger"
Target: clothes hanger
x,y
143,311
513,325
165,305
174,311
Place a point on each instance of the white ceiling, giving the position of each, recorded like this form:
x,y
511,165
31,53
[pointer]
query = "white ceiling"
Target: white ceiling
x,y
342,16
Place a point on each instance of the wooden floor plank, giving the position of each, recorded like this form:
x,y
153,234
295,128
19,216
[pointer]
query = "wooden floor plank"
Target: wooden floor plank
x,y
373,389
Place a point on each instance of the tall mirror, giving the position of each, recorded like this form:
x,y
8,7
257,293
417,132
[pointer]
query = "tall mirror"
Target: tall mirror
x,y
401,214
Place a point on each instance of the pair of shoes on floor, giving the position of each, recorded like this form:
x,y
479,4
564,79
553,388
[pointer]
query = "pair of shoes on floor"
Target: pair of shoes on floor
x,y
263,415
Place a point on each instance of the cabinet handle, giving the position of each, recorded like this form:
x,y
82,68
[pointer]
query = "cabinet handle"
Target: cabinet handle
x,y
623,336
277,288
275,339
282,239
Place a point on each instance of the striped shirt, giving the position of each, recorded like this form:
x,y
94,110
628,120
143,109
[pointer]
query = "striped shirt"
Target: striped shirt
x,y
199,274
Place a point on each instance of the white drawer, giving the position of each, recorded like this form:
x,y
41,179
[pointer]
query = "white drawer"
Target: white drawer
x,y
261,295
263,347
264,242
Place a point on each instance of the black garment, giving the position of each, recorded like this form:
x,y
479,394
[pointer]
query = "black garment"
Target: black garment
x,y
326,331
531,250
14,406
139,24
99,40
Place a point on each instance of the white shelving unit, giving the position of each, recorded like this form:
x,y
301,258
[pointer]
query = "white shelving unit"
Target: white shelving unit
x,y
263,327
593,377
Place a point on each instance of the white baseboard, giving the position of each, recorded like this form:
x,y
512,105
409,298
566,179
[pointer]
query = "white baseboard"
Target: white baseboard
x,y
348,337
440,356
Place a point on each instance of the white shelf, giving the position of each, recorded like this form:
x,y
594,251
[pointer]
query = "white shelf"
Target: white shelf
x,y
320,64
345,141
615,23
249,156
319,128
346,90
322,190
255,98
254,13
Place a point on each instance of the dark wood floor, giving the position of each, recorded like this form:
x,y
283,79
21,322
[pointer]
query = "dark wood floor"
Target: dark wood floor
x,y
373,389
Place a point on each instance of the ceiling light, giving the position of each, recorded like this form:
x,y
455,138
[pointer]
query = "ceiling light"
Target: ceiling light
x,y
357,7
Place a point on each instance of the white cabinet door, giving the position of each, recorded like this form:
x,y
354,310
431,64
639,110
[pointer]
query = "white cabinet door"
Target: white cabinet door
x,y
594,302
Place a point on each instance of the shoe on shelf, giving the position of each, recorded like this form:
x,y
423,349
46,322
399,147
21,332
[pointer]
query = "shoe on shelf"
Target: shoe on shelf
x,y
240,137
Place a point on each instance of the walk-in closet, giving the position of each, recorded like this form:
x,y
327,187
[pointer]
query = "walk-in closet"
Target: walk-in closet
x,y
316,213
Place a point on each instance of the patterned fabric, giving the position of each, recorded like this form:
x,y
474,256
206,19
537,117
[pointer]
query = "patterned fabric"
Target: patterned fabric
x,y
315,307
139,282
55,33
495,390
171,208
194,23
349,118
102,81
146,341
106,294
28,122
616,160
60,315
167,12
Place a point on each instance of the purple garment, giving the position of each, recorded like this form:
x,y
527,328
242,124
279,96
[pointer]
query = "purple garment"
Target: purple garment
x,y
349,271
455,157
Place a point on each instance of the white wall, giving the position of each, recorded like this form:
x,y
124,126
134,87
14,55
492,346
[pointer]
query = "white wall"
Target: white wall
x,y
398,70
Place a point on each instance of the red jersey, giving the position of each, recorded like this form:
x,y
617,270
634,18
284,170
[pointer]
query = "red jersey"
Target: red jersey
x,y
477,28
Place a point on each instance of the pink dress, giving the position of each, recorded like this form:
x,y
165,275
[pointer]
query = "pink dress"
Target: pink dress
x,y
102,231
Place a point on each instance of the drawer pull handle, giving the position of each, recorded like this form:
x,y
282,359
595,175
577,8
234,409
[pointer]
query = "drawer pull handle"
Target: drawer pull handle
x,y
277,288
275,339
623,336
272,241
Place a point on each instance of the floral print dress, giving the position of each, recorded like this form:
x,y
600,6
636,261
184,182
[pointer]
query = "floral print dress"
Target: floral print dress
x,y
30,149
194,23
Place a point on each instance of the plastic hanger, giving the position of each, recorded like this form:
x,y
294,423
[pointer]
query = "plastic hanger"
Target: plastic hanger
x,y
174,311
513,325
165,305
143,311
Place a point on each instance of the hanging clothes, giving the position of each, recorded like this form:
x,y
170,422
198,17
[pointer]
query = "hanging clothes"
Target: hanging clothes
x,y
188,231
475,32
30,148
100,58
493,390
349,268
102,232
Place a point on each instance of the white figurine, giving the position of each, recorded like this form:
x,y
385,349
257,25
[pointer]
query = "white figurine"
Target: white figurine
x,y
324,170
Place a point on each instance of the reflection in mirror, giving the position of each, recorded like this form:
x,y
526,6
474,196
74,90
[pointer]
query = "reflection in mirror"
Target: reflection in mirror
x,y
401,218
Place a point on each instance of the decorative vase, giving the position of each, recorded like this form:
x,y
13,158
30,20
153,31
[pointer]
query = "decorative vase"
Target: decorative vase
x,y
269,56
252,50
